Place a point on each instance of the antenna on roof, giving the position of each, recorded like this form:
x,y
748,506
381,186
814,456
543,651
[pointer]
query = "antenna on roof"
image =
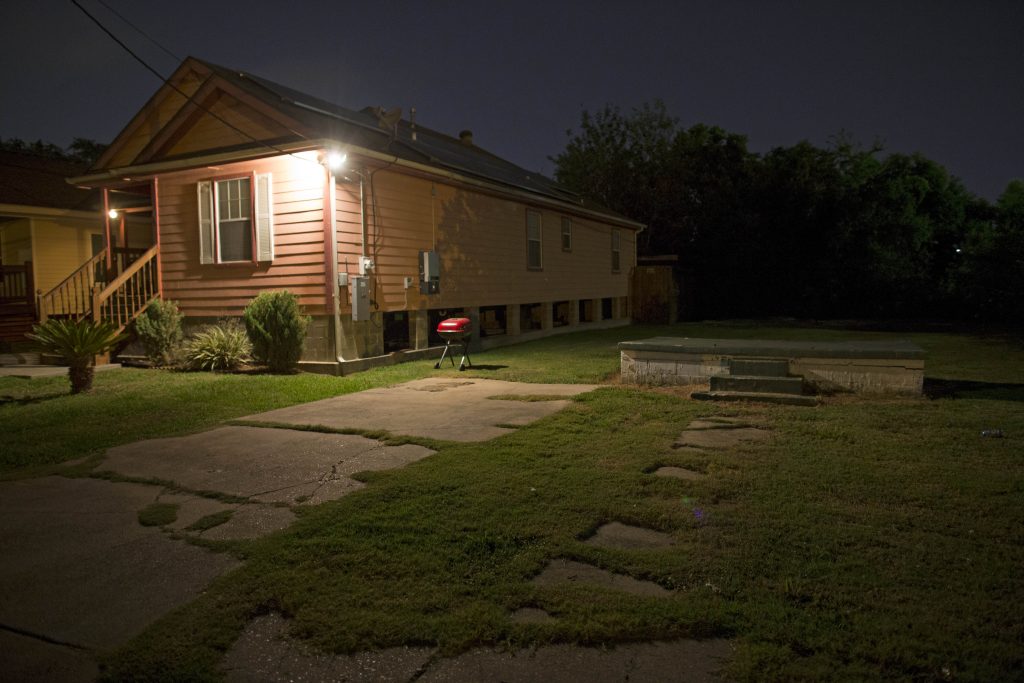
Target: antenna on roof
x,y
412,121
388,120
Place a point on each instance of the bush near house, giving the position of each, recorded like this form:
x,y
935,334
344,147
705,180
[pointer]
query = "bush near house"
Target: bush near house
x,y
277,329
159,330
220,348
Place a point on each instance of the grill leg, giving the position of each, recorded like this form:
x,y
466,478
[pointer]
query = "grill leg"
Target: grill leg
x,y
466,362
444,354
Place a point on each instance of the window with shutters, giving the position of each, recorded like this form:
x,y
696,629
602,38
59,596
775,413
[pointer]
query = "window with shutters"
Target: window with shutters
x,y
235,220
533,240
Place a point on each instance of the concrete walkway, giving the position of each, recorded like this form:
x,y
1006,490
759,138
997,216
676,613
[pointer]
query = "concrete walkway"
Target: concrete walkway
x,y
80,575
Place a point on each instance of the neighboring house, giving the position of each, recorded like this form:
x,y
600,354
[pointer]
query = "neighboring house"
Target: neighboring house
x,y
47,230
247,192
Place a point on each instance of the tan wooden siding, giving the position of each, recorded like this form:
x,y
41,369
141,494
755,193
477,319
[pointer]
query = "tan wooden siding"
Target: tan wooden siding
x,y
481,240
16,242
60,247
225,289
210,132
156,117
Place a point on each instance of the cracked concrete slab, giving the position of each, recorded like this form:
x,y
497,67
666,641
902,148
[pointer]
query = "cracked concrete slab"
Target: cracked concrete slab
x,y
629,537
436,408
251,521
78,568
268,465
562,571
721,438
691,661
265,653
31,660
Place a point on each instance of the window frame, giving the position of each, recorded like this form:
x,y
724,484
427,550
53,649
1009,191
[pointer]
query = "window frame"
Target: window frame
x,y
260,220
566,234
539,240
215,186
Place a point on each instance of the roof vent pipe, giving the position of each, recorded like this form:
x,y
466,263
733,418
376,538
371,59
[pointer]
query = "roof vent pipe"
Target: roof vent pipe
x,y
466,137
412,121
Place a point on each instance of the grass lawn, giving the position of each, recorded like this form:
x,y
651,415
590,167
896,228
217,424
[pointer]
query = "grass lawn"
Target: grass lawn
x,y
868,539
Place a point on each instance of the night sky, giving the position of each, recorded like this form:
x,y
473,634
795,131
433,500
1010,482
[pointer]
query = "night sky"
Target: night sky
x,y
943,78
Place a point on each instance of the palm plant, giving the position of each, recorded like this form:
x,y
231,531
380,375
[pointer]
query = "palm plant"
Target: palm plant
x,y
78,342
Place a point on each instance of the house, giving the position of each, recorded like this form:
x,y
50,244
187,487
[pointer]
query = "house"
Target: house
x,y
382,227
47,230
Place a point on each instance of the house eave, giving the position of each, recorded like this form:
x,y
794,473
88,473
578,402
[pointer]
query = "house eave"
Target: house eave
x,y
143,172
33,211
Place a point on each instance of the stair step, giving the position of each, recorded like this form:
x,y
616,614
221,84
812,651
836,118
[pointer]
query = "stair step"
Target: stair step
x,y
763,384
753,367
785,399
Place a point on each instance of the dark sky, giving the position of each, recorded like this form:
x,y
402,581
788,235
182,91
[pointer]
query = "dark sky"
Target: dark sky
x,y
943,78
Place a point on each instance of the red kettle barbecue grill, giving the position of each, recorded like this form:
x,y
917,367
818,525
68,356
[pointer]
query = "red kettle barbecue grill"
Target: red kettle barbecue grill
x,y
455,331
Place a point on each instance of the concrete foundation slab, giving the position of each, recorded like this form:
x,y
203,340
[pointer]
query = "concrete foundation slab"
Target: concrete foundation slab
x,y
437,408
869,366
31,660
78,568
265,653
683,660
720,438
267,465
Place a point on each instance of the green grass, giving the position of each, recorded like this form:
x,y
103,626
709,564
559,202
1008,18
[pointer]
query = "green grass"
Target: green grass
x,y
869,539
158,514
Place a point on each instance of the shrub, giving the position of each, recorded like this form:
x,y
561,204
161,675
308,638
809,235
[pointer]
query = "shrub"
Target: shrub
x,y
159,330
277,329
78,342
220,348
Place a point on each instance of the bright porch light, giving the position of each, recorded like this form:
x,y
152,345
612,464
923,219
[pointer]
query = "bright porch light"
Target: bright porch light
x,y
112,213
335,160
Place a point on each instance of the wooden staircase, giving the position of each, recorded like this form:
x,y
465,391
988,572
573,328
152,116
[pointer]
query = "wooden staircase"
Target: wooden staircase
x,y
84,294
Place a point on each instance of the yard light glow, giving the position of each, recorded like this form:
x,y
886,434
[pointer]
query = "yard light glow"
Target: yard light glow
x,y
112,213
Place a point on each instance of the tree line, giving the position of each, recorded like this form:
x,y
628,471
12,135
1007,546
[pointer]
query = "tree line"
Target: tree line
x,y
834,232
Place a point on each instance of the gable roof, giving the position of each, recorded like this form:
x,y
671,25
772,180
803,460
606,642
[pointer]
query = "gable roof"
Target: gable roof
x,y
31,180
286,117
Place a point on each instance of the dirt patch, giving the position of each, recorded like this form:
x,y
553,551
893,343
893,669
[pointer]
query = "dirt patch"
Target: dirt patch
x,y
678,473
628,537
563,571
720,438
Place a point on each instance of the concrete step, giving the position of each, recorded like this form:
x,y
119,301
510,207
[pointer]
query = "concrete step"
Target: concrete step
x,y
753,367
785,399
15,358
769,385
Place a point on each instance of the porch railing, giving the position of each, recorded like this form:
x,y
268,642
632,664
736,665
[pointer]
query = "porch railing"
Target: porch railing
x,y
84,294
16,285
125,297
72,298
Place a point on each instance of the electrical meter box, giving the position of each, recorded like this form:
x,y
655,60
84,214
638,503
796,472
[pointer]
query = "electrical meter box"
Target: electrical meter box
x,y
360,288
430,272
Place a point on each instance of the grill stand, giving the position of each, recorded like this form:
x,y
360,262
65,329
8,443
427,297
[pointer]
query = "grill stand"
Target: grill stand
x,y
450,340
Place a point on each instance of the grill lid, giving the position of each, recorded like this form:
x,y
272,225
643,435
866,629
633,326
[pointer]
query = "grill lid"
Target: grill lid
x,y
454,325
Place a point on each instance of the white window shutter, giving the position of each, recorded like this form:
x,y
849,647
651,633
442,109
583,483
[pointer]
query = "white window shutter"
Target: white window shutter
x,y
204,191
264,218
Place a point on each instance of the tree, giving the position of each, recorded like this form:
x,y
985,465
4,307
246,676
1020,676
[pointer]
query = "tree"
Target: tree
x,y
78,342
81,150
990,277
